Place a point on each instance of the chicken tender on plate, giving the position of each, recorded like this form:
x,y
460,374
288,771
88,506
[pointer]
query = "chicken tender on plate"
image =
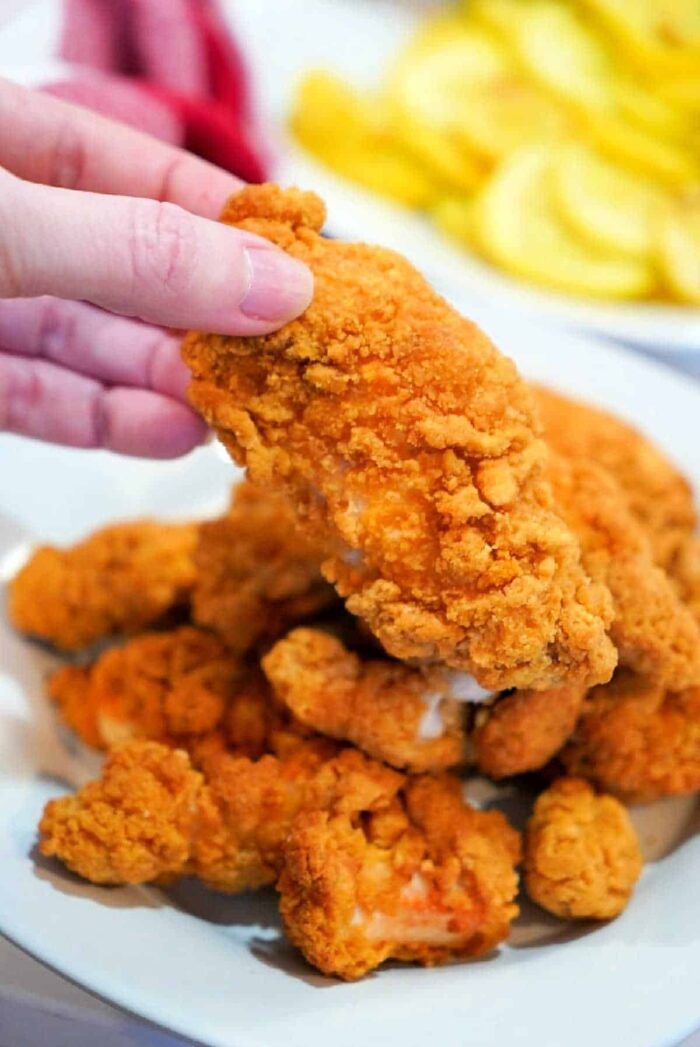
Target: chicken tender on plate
x,y
174,687
120,579
637,739
654,632
411,447
428,879
659,496
257,574
405,716
581,853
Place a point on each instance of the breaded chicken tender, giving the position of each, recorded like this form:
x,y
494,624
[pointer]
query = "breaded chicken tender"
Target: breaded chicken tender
x,y
522,730
659,495
134,825
581,853
257,574
172,687
654,632
410,446
396,713
638,740
120,579
428,880
686,573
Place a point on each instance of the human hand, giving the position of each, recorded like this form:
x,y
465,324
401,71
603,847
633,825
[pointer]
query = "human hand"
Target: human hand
x,y
93,212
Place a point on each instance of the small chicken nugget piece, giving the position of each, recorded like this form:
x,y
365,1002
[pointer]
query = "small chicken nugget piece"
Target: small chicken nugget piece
x,y
653,630
411,446
133,825
581,853
257,574
427,879
660,497
120,579
396,713
166,687
638,740
248,807
523,730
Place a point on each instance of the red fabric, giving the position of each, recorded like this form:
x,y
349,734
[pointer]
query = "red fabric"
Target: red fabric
x,y
173,54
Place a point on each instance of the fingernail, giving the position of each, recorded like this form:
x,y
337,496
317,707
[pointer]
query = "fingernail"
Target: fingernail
x,y
280,286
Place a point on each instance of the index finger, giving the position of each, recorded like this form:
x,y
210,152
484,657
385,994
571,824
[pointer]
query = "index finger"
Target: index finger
x,y
55,143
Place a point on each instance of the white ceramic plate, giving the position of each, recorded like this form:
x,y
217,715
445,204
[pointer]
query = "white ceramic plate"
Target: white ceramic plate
x,y
356,38
216,968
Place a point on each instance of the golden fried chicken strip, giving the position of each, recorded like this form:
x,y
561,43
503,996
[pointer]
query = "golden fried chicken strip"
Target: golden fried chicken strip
x,y
638,740
257,574
659,495
404,716
428,880
581,853
654,632
122,578
411,445
174,687
133,825
523,730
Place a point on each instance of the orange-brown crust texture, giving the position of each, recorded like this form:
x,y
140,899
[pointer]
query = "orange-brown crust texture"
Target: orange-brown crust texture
x,y
409,442
121,579
653,630
581,853
427,880
638,740
151,816
257,573
178,687
378,705
133,825
660,497
522,731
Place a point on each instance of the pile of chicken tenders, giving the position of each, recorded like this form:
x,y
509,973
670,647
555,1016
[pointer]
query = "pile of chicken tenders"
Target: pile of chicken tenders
x,y
432,570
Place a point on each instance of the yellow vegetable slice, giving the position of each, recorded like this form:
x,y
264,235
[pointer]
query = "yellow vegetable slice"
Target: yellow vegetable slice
x,y
519,229
560,52
679,247
434,74
457,218
642,152
650,112
351,135
604,205
659,35
504,114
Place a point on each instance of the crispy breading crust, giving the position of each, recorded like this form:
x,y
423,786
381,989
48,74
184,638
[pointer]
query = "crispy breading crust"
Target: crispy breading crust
x,y
522,731
133,825
378,705
427,880
173,687
122,578
660,497
403,436
257,574
638,740
581,853
654,632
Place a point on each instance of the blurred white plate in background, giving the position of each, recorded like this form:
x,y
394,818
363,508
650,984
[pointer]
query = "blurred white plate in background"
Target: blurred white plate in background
x,y
356,38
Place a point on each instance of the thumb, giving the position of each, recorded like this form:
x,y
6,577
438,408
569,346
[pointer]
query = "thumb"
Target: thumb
x,y
144,258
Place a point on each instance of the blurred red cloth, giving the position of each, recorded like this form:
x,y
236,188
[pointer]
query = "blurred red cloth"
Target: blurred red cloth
x,y
169,67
